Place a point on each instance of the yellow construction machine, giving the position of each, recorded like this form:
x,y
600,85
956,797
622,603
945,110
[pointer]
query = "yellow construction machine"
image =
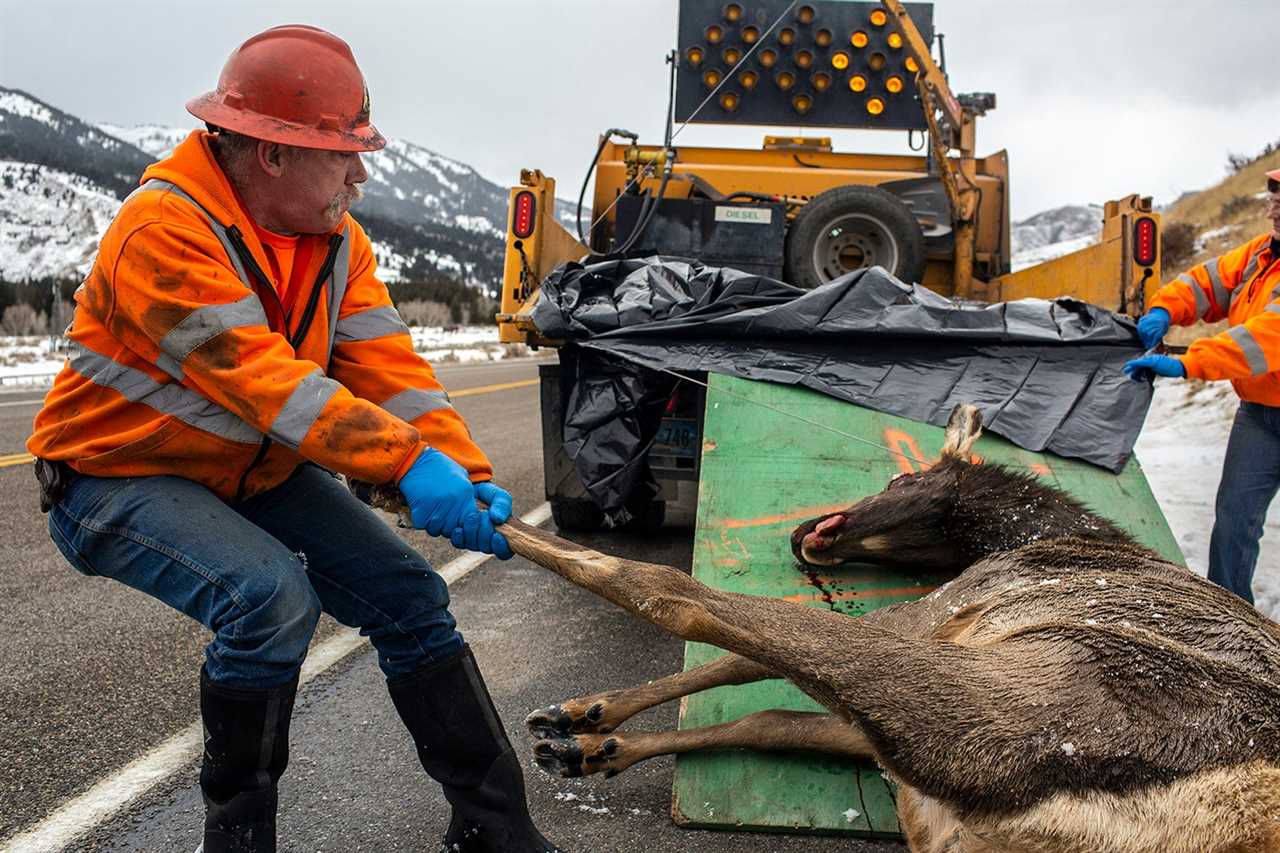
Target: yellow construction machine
x,y
795,208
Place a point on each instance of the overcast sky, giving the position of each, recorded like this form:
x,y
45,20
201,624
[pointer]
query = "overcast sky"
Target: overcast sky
x,y
1096,99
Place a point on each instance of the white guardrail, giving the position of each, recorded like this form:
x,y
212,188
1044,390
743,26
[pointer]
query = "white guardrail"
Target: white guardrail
x,y
26,381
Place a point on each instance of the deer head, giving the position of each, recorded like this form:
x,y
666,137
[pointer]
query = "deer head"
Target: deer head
x,y
949,516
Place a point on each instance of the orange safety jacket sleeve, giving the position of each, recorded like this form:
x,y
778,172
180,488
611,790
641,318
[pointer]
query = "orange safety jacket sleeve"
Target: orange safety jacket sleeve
x,y
373,356
1204,291
174,301
1243,351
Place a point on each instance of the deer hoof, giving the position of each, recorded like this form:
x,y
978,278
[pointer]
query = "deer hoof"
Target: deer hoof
x,y
550,723
580,756
559,756
568,719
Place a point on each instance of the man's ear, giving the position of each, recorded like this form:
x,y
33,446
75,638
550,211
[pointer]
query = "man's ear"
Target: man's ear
x,y
270,156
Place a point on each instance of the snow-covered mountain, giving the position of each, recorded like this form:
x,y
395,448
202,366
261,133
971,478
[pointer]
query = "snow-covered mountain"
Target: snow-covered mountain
x,y
61,181
157,140
1054,233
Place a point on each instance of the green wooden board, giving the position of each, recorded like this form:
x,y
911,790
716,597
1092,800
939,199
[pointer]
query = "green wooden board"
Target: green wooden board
x,y
763,472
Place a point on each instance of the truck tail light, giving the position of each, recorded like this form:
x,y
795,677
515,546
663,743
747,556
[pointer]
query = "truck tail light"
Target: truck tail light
x,y
1144,241
522,216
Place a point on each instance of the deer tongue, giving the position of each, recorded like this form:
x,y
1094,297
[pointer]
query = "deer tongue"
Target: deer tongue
x,y
830,525
823,534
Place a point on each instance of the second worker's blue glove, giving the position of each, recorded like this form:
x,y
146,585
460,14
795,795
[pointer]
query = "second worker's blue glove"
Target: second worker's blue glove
x,y
1142,368
1152,327
439,494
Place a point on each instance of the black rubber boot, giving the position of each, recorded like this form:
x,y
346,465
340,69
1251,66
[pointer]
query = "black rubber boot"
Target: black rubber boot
x,y
246,749
461,744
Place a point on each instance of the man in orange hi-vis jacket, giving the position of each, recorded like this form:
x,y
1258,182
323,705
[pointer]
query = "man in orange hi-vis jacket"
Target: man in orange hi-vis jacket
x,y
231,347
1242,287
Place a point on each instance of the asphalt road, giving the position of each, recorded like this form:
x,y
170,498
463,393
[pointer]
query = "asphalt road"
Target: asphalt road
x,y
93,675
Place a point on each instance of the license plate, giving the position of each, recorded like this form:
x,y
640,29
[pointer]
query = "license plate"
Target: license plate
x,y
677,437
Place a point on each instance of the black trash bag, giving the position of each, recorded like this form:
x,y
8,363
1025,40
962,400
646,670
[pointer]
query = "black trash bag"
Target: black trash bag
x,y
612,412
1045,374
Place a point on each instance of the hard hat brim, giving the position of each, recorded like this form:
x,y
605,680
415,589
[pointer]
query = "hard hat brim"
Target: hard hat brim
x,y
209,108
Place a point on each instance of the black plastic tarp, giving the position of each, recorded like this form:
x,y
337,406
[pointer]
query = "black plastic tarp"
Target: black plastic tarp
x,y
1045,374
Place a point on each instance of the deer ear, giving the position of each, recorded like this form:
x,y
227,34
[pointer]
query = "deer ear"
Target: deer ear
x,y
963,429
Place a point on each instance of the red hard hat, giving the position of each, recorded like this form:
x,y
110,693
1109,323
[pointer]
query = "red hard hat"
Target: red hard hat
x,y
296,85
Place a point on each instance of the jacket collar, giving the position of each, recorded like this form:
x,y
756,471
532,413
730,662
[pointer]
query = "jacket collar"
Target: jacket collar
x,y
192,166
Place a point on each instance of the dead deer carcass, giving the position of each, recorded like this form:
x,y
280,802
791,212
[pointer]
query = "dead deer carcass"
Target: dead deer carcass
x,y
1069,691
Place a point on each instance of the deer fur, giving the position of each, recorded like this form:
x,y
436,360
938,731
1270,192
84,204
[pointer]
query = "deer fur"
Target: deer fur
x,y
1069,692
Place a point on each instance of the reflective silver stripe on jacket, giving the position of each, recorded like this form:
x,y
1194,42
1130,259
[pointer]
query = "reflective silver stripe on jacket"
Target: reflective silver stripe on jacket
x,y
1251,268
165,397
413,403
1202,298
1252,352
302,409
369,324
1215,277
209,321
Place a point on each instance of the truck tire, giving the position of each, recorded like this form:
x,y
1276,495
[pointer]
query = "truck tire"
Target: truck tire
x,y
850,228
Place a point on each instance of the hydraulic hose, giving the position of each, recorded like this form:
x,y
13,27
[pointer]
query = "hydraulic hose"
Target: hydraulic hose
x,y
649,208
582,194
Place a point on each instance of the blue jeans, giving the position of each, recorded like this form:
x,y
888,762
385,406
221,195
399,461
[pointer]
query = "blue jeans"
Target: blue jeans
x,y
259,574
1250,478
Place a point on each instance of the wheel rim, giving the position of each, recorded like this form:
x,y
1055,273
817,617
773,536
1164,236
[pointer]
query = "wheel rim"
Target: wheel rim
x,y
853,241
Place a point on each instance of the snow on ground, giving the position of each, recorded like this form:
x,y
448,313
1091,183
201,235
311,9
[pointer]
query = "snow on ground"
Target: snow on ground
x,y
1213,234
1181,450
28,362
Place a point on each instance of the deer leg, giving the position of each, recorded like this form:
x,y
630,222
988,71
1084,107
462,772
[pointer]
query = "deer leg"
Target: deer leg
x,y
790,639
603,712
905,693
770,731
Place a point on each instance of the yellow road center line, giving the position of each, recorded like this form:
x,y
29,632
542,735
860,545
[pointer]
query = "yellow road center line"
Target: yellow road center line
x,y
25,458
485,389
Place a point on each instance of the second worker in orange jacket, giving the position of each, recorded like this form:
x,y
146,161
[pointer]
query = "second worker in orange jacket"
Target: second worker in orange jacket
x,y
1243,288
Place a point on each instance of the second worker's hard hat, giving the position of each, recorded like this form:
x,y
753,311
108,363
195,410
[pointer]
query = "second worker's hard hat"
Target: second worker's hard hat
x,y
296,85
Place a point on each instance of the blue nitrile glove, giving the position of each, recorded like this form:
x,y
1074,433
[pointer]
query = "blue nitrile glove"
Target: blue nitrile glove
x,y
1152,326
481,537
499,501
1145,367
439,494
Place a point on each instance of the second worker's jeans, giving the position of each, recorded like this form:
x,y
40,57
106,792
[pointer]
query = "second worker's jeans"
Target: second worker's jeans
x,y
1250,478
259,574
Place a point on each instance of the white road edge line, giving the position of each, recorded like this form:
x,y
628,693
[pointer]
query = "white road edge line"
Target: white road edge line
x,y
115,793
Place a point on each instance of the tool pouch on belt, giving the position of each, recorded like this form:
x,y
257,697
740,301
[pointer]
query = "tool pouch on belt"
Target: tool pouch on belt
x,y
53,478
